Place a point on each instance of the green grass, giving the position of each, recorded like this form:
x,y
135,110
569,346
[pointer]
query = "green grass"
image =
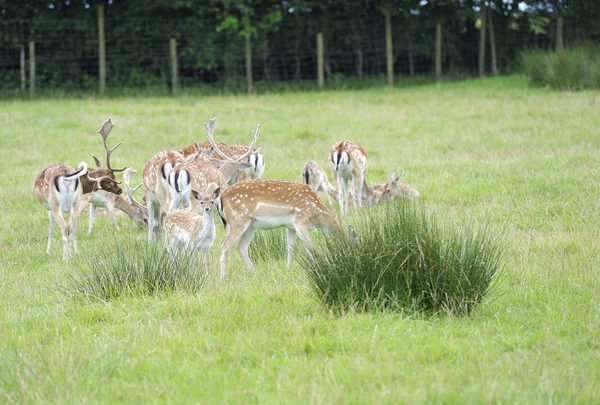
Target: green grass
x,y
491,151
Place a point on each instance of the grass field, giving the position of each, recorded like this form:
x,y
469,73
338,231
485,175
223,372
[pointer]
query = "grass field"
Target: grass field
x,y
525,160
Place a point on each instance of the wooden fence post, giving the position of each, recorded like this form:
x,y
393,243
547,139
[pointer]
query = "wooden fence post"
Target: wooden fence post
x,y
101,51
320,60
22,67
31,68
248,49
438,51
560,43
174,66
482,29
389,52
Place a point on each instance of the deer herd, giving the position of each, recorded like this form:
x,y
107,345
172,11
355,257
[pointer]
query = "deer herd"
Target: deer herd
x,y
182,188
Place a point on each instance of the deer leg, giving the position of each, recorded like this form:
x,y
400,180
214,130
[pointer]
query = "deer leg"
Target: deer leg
x,y
243,245
153,221
302,232
205,253
50,232
230,241
66,237
291,238
91,223
112,216
359,188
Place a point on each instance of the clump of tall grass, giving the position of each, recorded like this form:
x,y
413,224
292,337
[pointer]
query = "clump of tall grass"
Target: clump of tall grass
x,y
268,245
575,68
405,260
134,269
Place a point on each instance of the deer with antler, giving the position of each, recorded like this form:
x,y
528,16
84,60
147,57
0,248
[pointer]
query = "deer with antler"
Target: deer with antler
x,y
198,173
103,178
348,162
252,205
129,205
189,232
317,180
239,153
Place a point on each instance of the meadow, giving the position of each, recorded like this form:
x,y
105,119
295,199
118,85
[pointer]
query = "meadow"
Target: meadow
x,y
524,160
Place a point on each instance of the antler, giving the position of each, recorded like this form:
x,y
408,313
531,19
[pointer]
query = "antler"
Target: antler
x,y
97,180
104,130
251,148
209,129
126,178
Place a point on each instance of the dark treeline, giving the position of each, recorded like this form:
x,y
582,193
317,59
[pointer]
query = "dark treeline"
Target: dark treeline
x,y
211,38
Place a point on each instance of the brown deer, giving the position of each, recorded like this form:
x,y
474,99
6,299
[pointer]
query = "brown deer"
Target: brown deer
x,y
129,205
348,162
252,205
393,190
316,178
196,174
108,181
188,232
156,188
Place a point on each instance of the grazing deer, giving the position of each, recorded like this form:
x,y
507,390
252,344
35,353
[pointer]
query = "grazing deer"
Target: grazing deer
x,y
136,211
348,162
58,189
238,153
393,190
316,178
186,231
196,174
156,188
251,205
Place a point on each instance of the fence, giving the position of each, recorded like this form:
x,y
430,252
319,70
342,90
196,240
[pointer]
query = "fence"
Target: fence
x,y
103,51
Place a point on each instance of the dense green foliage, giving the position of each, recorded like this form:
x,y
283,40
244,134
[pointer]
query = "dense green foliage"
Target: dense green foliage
x,y
405,260
211,34
570,69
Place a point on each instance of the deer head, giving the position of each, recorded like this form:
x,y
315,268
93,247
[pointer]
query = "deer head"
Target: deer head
x,y
140,213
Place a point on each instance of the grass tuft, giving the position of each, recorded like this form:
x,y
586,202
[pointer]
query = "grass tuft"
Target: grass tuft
x,y
134,269
405,260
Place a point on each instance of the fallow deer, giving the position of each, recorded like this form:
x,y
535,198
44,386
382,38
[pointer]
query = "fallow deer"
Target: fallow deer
x,y
393,190
156,188
129,205
252,205
106,174
197,174
348,162
316,178
59,190
189,232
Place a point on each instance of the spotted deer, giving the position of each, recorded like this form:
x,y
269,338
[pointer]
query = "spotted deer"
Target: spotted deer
x,y
393,190
188,232
129,205
252,205
348,162
156,188
317,180
58,188
196,174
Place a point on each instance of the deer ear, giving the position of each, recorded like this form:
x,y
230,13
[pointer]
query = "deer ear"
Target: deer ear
x,y
216,193
98,164
196,195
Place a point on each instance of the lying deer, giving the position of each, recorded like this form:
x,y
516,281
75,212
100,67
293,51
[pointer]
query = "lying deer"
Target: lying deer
x,y
186,231
393,190
348,162
317,180
136,211
197,174
252,205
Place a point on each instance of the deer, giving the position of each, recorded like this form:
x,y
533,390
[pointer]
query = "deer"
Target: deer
x,y
156,188
187,231
197,174
316,178
393,190
105,175
348,162
252,205
129,205
225,152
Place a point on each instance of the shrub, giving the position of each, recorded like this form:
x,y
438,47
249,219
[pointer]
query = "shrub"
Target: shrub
x,y
134,269
570,69
404,260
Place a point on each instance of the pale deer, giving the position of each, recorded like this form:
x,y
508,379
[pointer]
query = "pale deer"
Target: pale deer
x,y
156,188
348,162
58,189
129,205
316,178
195,173
188,232
393,190
252,205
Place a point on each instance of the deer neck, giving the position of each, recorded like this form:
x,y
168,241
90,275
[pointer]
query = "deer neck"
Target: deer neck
x,y
124,205
208,229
